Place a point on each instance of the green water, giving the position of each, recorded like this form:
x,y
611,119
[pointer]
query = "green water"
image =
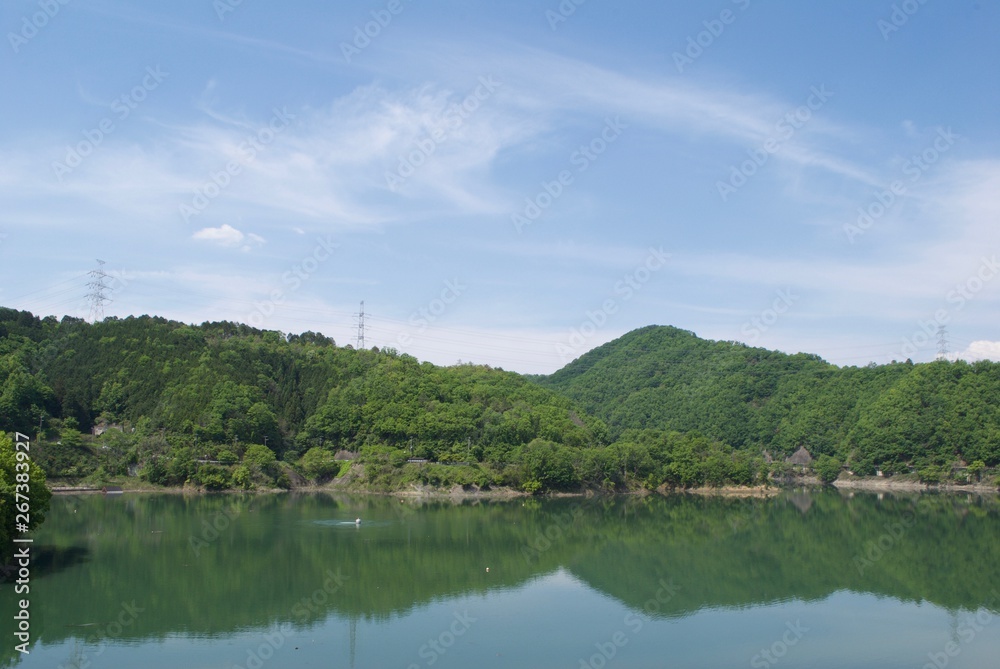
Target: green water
x,y
802,580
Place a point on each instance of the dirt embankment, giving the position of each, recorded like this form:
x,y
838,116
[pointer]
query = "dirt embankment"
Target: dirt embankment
x,y
894,484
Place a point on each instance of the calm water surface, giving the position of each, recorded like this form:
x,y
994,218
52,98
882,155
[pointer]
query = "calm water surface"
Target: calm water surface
x,y
803,580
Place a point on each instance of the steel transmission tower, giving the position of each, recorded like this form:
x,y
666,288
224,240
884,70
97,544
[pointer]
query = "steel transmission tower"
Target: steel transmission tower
x,y
361,326
98,295
942,343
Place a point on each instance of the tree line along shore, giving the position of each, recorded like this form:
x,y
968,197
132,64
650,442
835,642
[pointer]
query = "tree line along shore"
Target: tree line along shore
x,y
143,401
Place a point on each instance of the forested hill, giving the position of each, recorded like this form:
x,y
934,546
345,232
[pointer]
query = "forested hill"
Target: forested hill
x,y
224,383
225,405
895,417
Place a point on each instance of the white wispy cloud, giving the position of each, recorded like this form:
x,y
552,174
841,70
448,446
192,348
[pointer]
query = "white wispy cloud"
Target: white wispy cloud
x,y
580,253
550,86
953,226
379,155
327,164
228,236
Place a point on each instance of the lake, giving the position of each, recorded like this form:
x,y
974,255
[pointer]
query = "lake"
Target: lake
x,y
805,579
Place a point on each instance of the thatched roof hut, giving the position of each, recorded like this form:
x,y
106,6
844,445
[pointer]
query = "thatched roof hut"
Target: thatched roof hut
x,y
801,457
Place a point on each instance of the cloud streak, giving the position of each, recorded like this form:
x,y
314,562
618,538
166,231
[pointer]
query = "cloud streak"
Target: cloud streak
x,y
228,236
332,164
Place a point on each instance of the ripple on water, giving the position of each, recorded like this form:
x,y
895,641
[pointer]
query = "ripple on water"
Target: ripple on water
x,y
337,523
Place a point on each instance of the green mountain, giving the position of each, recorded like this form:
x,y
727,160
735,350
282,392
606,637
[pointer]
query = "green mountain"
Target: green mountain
x,y
208,392
226,405
892,417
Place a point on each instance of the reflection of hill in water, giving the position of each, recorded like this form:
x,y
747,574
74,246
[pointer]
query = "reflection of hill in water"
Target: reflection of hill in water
x,y
734,553
271,562
46,560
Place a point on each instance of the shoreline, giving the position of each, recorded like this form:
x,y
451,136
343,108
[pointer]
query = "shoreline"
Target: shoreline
x,y
888,485
878,485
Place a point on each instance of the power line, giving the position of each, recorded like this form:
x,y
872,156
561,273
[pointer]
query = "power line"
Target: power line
x,y
72,282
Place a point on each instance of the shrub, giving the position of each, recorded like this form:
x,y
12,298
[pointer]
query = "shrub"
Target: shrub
x,y
227,457
827,468
262,463
548,464
260,456
154,471
531,487
781,470
929,475
99,475
242,478
212,477
182,467
318,463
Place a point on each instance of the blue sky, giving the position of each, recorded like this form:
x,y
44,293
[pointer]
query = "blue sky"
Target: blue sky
x,y
512,183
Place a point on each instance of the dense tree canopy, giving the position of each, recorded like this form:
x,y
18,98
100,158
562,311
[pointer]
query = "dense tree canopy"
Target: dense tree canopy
x,y
226,405
182,403
894,417
24,497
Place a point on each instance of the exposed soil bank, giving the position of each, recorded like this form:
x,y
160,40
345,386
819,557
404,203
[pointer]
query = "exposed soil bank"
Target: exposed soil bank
x,y
908,485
